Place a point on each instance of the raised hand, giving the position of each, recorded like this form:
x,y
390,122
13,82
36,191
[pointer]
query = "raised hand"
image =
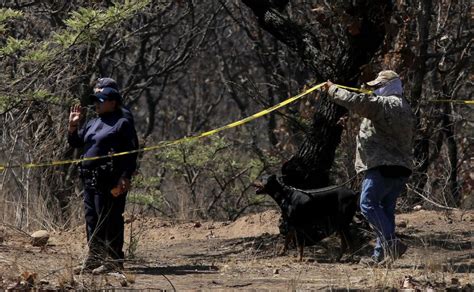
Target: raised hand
x,y
74,117
326,86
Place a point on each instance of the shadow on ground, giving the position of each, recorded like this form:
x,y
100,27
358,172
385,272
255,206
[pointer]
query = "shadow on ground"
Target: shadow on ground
x,y
444,240
175,270
268,246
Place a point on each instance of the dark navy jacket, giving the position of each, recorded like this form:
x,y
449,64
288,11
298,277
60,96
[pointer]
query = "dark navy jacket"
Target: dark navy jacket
x,y
128,115
110,132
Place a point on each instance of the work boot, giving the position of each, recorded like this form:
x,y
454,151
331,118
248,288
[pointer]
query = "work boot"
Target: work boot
x,y
372,261
117,256
398,249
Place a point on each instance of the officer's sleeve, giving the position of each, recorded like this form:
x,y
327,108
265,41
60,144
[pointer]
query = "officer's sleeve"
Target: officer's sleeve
x,y
127,163
76,138
366,105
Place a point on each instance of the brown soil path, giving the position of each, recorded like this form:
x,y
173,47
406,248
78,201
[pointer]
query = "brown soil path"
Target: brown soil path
x,y
242,255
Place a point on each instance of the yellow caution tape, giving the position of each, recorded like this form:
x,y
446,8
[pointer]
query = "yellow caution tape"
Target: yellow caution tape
x,y
205,134
169,143
361,90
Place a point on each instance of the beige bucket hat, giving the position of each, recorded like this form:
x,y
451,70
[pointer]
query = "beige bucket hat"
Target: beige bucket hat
x,y
383,77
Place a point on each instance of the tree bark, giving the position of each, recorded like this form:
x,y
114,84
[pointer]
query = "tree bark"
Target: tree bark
x,y
448,129
422,143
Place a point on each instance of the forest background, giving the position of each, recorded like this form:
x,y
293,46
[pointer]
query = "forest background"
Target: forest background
x,y
185,67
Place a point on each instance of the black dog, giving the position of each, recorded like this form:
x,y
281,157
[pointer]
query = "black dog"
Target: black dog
x,y
310,216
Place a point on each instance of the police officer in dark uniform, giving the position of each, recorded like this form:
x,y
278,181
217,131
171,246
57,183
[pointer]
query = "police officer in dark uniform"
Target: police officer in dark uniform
x,y
106,181
107,82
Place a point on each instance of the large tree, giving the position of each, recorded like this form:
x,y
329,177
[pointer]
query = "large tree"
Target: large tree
x,y
342,42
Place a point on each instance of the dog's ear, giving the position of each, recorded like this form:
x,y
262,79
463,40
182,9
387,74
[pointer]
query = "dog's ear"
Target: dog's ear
x,y
265,184
260,185
275,188
276,181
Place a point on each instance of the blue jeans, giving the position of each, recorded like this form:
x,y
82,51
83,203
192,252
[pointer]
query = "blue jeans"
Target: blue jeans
x,y
377,203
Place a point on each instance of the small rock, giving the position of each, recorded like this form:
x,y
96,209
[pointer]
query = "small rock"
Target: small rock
x,y
171,237
44,282
402,224
13,286
417,208
39,238
407,284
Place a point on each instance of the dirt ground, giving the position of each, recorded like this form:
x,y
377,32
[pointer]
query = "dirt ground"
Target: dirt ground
x,y
243,255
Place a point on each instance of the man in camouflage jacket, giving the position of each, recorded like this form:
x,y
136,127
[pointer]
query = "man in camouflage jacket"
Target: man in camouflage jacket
x,y
384,155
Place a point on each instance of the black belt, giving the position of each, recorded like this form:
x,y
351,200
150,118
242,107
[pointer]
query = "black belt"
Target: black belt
x,y
91,175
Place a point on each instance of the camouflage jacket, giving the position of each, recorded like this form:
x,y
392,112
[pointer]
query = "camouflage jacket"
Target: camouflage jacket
x,y
386,133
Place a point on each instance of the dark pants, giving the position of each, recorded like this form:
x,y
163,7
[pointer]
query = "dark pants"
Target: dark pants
x,y
104,221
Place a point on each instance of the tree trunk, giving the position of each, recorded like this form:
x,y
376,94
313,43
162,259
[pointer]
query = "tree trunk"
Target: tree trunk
x,y
448,129
309,167
422,143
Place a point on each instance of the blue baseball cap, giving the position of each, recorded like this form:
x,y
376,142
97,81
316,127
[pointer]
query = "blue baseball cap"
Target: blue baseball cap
x,y
107,93
106,82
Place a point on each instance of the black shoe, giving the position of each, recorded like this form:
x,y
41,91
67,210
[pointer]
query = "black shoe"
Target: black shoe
x,y
371,261
107,268
102,269
374,261
88,266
